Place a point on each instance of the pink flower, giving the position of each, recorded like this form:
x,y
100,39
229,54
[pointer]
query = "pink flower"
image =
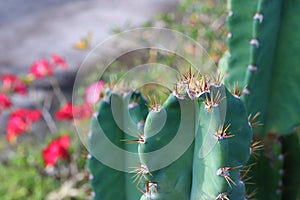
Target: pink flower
x,y
12,83
20,121
41,68
59,61
82,112
93,92
4,101
56,149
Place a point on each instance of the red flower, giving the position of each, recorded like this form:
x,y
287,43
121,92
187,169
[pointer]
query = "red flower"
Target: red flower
x,y
69,112
12,83
57,60
20,121
4,101
93,92
65,113
55,150
41,68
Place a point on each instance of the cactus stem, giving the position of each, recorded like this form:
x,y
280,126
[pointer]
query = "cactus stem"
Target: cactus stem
x,y
224,171
259,17
222,196
222,134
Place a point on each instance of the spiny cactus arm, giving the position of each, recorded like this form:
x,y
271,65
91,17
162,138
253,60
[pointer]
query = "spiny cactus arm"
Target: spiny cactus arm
x,y
216,166
129,109
267,168
136,105
239,22
103,177
162,128
285,73
272,68
266,23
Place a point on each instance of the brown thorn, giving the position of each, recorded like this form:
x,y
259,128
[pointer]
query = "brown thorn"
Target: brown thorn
x,y
252,120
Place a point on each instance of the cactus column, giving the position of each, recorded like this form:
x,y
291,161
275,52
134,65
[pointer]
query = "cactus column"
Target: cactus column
x,y
107,182
264,59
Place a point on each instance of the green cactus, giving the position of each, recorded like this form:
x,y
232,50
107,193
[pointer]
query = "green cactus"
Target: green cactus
x,y
201,123
173,181
230,153
268,168
263,47
264,58
132,107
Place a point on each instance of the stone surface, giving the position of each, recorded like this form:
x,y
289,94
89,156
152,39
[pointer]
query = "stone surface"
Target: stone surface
x,y
31,29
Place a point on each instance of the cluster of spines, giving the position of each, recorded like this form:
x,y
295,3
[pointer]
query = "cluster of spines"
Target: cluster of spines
x,y
197,89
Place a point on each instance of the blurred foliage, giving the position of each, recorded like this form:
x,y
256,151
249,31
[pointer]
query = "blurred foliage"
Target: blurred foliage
x,y
20,179
203,21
